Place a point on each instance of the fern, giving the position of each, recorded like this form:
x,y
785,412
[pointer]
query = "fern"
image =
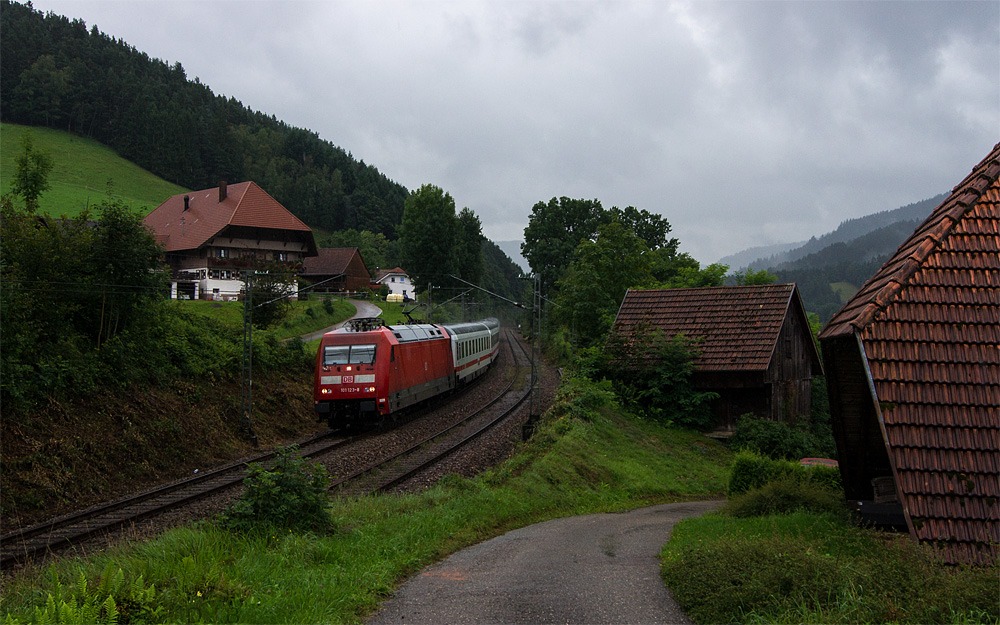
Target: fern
x,y
99,605
110,610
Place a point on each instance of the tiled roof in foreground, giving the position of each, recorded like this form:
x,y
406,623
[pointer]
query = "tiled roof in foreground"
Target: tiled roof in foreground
x,y
929,326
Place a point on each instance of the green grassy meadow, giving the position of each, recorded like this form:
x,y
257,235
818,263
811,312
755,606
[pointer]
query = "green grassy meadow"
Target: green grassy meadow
x,y
81,171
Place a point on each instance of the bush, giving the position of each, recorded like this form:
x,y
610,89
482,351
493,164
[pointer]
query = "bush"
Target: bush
x,y
792,493
774,439
652,375
751,470
292,494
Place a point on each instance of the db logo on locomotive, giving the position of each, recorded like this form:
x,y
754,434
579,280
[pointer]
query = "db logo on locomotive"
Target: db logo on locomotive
x,y
348,379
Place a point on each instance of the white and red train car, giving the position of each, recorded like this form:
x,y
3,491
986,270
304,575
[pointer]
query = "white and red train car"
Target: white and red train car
x,y
367,370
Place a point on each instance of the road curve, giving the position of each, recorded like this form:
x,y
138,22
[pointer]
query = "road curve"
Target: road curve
x,y
597,568
362,308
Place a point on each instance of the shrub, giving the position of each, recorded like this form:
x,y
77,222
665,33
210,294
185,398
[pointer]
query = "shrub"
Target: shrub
x,y
652,374
794,492
291,494
774,439
751,470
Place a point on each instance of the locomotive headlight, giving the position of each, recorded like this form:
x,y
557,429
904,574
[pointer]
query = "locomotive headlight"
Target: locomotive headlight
x,y
325,391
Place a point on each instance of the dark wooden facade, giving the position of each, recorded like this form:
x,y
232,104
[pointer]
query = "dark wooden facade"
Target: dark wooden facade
x,y
337,270
756,348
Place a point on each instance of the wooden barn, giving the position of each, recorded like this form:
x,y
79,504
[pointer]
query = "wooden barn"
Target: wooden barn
x,y
756,347
337,270
913,372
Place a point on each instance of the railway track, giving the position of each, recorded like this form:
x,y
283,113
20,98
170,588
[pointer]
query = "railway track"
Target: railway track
x,y
30,542
388,473
54,535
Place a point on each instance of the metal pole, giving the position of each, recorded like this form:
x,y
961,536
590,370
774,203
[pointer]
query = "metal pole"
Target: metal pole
x,y
246,394
536,350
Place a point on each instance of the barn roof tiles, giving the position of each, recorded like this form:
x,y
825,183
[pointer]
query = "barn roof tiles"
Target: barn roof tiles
x,y
737,327
928,323
329,261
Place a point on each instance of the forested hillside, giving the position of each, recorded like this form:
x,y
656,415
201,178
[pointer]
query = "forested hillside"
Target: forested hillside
x,y
888,221
829,269
55,72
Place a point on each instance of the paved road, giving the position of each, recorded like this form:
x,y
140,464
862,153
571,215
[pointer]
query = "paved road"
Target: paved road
x,y
364,309
598,568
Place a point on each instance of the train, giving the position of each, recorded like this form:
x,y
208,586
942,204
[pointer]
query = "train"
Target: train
x,y
366,370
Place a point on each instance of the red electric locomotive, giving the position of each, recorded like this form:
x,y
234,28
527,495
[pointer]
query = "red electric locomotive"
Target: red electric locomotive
x,y
366,370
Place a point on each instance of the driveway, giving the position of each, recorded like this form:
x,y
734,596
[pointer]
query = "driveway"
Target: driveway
x,y
598,568
362,309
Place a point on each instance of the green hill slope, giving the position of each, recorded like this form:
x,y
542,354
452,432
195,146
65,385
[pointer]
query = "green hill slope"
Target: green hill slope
x,y
80,173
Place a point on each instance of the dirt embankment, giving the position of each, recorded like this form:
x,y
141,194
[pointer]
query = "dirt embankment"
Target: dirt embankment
x,y
64,456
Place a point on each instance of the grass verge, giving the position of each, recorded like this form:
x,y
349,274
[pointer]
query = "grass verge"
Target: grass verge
x,y
586,456
806,567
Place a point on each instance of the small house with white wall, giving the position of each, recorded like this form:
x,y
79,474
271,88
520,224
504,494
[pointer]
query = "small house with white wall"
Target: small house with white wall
x,y
400,286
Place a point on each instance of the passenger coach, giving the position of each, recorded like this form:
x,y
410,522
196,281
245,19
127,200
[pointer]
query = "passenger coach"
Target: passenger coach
x,y
367,370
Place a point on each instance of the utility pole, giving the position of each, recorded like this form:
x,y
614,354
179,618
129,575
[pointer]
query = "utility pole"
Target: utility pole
x,y
536,349
246,393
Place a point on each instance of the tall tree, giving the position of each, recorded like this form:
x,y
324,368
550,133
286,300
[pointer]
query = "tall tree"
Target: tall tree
x,y
125,269
469,246
554,231
31,174
650,227
427,235
595,283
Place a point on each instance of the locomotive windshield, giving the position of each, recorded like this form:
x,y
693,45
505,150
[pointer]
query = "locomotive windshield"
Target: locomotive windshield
x,y
348,355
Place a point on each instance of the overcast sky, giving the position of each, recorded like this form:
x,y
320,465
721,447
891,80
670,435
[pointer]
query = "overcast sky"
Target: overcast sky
x,y
743,123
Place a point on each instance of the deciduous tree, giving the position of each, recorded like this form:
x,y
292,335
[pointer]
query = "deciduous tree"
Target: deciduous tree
x,y
31,173
427,235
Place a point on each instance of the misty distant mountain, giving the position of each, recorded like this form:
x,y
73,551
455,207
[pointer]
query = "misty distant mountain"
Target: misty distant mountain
x,y
829,269
742,260
513,249
847,231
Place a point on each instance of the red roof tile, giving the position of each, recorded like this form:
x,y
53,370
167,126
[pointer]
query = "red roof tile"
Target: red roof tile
x,y
929,326
330,261
245,204
382,273
737,326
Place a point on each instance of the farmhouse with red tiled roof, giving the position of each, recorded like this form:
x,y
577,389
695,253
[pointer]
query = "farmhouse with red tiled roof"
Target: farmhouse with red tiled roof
x,y
211,237
337,269
913,370
756,347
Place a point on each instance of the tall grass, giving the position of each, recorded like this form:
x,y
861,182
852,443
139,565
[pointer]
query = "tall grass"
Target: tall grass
x,y
585,457
805,567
